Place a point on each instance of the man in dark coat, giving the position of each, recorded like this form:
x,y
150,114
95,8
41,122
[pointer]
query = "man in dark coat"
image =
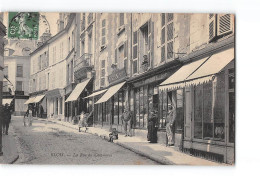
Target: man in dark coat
x,y
7,118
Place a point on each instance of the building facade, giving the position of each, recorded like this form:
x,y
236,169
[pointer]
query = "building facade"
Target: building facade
x,y
179,66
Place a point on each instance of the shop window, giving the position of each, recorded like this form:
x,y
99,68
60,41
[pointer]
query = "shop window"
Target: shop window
x,y
231,97
120,107
145,107
56,106
141,104
137,108
198,105
209,106
179,107
207,111
219,107
116,109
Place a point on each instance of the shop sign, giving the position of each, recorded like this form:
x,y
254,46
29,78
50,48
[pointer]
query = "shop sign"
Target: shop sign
x,y
152,79
117,75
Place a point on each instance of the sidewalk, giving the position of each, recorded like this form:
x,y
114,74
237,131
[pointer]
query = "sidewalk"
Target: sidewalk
x,y
9,148
156,152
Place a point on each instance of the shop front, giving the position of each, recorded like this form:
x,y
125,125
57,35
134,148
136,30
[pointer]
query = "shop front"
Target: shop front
x,y
145,99
208,101
55,103
109,108
76,103
40,106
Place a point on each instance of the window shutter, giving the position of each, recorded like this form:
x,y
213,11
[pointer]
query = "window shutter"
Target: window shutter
x,y
135,66
121,19
224,24
212,26
150,42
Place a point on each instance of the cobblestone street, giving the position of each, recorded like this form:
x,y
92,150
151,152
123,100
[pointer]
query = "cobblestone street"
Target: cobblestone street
x,y
49,143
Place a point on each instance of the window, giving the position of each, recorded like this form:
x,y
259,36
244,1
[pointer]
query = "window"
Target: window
x,y
47,58
231,97
103,32
39,63
6,71
219,25
19,85
135,52
19,70
103,72
69,44
121,19
167,37
90,43
141,107
209,106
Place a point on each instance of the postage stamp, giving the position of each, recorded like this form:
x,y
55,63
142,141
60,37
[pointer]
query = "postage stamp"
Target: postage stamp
x,y
23,25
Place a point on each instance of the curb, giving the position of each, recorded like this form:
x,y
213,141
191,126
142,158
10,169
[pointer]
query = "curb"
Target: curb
x,y
143,154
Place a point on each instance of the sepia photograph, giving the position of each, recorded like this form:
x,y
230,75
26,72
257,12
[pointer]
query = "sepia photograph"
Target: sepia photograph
x,y
94,88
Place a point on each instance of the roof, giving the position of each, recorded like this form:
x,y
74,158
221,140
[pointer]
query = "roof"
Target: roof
x,y
71,18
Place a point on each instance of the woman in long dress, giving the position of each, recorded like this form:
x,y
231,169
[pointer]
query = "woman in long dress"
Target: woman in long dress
x,y
169,126
152,129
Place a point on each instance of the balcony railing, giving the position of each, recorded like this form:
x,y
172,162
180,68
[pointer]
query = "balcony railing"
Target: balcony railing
x,y
83,61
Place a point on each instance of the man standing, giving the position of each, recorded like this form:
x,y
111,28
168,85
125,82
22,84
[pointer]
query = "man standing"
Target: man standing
x,y
126,117
7,119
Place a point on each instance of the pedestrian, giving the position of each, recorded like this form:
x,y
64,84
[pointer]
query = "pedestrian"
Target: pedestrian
x,y
82,120
7,118
126,118
41,111
152,127
28,117
170,124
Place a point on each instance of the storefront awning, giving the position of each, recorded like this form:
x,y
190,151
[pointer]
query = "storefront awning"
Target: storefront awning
x,y
198,72
77,91
54,93
177,79
38,98
30,100
6,101
213,66
96,93
110,92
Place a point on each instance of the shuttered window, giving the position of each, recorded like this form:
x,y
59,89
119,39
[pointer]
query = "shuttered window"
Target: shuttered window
x,y
167,33
219,25
116,55
103,73
135,52
103,32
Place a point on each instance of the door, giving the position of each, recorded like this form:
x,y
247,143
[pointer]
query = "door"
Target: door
x,y
188,114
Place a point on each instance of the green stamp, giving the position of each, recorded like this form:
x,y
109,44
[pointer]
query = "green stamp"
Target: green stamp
x,y
23,25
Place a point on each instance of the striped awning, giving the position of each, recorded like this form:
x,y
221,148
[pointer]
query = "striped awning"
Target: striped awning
x,y
199,72
110,92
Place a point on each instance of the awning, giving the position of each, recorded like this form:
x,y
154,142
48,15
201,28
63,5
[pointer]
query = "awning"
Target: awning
x,y
96,93
38,98
77,91
110,92
54,93
30,100
213,65
6,101
199,72
177,79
